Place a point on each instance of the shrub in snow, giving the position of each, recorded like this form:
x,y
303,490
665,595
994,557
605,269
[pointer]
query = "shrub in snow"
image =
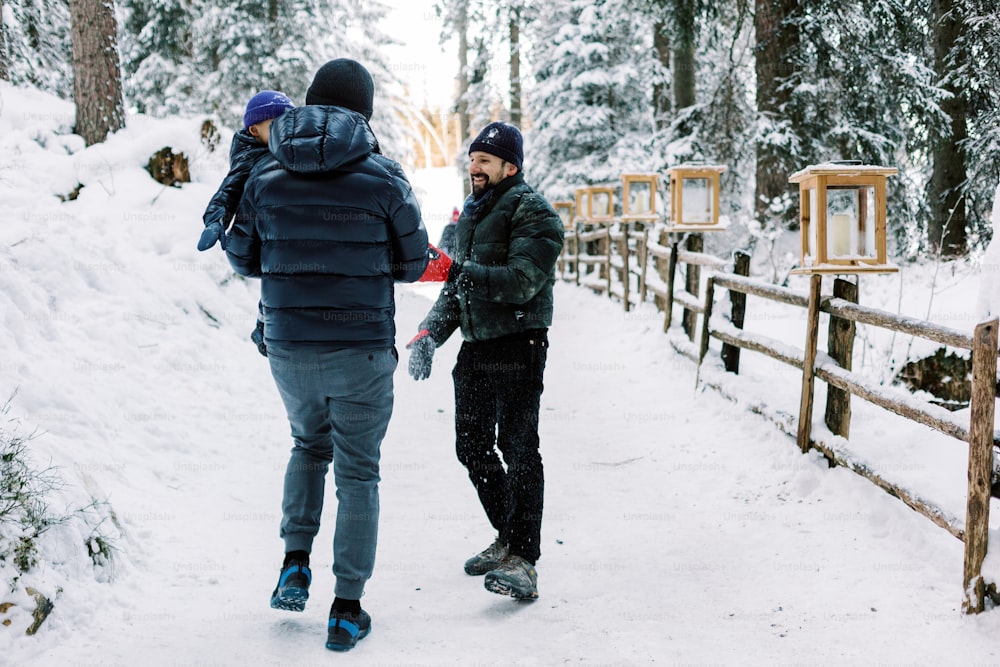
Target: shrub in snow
x,y
32,533
24,513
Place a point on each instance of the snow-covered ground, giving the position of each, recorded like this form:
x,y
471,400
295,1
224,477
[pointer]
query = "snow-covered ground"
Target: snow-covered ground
x,y
679,528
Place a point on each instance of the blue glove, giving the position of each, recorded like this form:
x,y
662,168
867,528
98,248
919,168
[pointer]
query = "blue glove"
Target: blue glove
x,y
421,348
213,233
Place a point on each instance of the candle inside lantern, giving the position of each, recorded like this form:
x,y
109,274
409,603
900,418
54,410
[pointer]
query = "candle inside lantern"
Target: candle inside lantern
x,y
600,204
640,199
839,235
695,200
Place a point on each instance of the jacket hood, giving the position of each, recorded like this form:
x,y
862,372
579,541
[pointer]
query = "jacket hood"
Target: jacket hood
x,y
316,138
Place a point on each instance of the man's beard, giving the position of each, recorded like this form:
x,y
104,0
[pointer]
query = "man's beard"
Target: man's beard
x,y
478,190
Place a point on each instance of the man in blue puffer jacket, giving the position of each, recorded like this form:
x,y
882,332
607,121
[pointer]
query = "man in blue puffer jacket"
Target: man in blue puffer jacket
x,y
329,225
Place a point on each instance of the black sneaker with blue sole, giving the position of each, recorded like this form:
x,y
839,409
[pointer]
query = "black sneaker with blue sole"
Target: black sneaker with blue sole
x,y
292,590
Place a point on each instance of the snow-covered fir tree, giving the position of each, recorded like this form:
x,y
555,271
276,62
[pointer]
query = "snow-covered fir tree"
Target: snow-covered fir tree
x,y
591,105
861,92
979,77
37,43
211,56
157,46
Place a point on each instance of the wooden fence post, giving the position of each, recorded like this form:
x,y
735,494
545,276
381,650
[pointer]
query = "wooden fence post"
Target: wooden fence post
x,y
668,306
706,316
731,353
809,363
607,247
643,262
977,518
692,284
593,249
626,278
841,348
563,262
576,247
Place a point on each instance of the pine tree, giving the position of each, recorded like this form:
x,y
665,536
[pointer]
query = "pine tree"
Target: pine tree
x,y
211,56
946,232
975,71
779,128
37,49
4,74
157,48
592,106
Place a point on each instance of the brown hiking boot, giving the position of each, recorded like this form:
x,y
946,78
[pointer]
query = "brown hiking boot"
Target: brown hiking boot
x,y
487,559
515,577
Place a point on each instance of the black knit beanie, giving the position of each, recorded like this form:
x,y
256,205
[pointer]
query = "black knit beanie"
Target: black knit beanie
x,y
500,139
343,83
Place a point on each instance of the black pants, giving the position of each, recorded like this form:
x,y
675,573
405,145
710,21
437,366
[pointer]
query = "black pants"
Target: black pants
x,y
498,388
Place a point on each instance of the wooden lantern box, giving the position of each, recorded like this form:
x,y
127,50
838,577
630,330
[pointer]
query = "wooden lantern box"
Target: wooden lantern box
x,y
843,218
595,204
694,198
566,211
639,197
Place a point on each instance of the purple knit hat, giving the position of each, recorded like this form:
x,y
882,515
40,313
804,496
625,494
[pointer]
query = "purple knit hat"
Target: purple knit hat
x,y
265,105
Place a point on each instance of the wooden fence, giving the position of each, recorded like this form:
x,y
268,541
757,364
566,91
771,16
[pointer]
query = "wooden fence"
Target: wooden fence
x,y
633,261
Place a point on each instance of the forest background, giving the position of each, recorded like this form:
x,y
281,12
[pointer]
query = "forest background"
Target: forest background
x,y
765,87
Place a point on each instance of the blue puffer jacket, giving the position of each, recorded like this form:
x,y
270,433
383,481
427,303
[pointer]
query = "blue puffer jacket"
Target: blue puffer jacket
x,y
328,224
244,153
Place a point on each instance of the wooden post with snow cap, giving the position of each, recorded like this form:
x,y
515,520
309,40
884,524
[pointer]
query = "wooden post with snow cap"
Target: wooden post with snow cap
x,y
982,414
809,363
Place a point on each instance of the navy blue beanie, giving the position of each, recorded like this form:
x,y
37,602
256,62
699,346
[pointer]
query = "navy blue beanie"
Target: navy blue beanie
x,y
343,83
500,139
265,105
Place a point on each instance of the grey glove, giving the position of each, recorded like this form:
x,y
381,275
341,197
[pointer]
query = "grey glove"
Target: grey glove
x,y
463,282
421,349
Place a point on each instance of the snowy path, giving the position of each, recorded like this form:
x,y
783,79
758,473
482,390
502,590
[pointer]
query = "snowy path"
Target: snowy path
x,y
678,530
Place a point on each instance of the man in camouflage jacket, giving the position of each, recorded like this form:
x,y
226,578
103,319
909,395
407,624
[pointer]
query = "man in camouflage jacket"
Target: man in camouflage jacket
x,y
499,293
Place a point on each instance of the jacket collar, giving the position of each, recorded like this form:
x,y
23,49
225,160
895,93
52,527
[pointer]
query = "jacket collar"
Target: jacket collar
x,y
498,191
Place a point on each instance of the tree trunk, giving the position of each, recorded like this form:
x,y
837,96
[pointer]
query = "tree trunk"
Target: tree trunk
x,y
685,42
4,70
273,10
946,229
684,65
777,43
97,81
462,108
514,27
661,92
